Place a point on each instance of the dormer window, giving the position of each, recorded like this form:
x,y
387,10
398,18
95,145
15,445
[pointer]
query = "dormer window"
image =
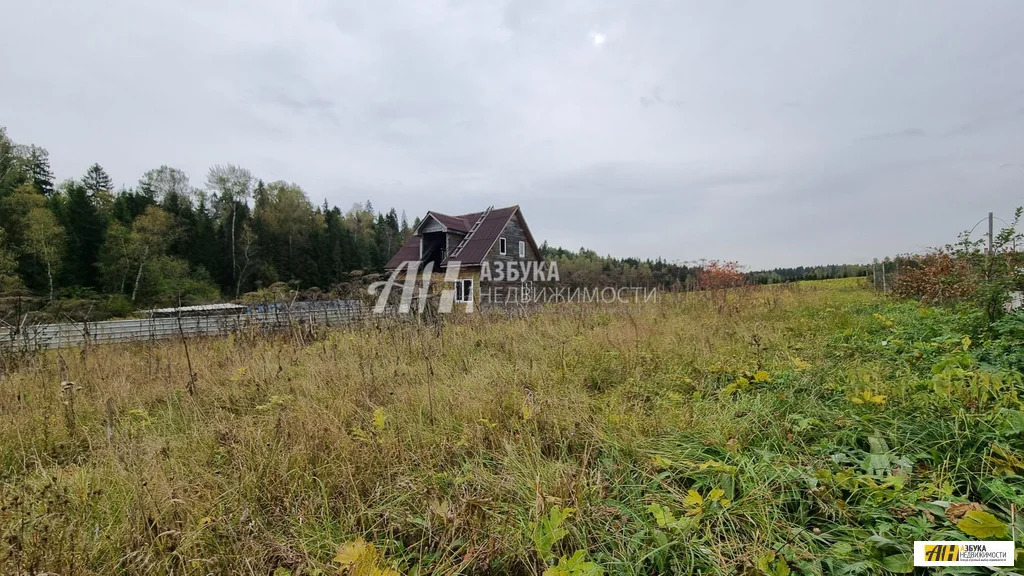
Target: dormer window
x,y
501,246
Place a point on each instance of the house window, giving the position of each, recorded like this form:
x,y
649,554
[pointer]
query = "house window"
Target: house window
x,y
464,290
522,249
501,246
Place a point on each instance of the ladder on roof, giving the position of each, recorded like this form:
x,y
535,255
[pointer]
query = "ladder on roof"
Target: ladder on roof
x,y
465,238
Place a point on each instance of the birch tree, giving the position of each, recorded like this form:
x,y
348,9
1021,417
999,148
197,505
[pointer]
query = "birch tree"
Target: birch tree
x,y
44,240
233,185
152,233
163,183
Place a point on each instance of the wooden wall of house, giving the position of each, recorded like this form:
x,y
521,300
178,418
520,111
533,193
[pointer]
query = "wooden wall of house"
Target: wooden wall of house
x,y
513,234
453,241
431,225
438,283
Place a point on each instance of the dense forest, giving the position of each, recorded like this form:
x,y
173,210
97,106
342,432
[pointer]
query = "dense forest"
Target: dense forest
x,y
826,272
168,240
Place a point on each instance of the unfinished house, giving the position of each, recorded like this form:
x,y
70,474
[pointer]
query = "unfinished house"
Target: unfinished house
x,y
491,236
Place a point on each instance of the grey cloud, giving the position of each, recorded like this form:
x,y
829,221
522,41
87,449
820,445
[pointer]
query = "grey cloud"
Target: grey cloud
x,y
906,133
655,98
778,133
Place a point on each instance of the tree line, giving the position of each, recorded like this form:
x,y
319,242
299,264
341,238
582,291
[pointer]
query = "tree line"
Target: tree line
x,y
826,272
586,268
167,240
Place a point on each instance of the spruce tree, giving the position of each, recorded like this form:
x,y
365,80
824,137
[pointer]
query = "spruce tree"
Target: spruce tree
x,y
97,180
39,169
80,216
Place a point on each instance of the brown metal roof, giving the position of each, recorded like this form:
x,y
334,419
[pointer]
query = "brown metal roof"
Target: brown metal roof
x,y
480,242
409,252
454,223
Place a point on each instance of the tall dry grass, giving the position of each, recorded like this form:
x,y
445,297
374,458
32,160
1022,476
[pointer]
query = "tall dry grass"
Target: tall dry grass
x,y
442,446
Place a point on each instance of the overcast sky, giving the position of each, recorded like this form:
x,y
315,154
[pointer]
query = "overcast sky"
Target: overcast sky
x,y
773,133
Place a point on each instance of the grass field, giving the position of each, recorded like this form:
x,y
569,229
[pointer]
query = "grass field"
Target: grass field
x,y
815,428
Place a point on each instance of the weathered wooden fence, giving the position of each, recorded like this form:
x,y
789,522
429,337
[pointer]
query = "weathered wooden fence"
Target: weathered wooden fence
x,y
66,334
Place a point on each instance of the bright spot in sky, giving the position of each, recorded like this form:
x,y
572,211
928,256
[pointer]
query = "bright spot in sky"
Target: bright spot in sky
x,y
598,38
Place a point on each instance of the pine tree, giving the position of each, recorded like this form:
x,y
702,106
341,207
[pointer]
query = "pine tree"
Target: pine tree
x,y
129,205
201,250
39,169
97,180
79,214
336,249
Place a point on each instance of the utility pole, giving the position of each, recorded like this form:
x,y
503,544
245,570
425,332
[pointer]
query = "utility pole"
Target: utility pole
x,y
988,254
989,233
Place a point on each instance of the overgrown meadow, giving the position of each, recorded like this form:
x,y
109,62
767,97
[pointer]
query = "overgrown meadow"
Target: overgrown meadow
x,y
815,428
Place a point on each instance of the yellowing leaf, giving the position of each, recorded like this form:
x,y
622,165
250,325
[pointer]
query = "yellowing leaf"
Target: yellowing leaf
x,y
360,558
966,342
764,562
662,515
761,376
716,494
351,552
868,397
801,364
717,466
980,524
380,419
693,499
739,385
1004,462
661,462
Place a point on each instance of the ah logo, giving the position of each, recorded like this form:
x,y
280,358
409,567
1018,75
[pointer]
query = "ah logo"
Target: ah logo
x,y
963,553
941,552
